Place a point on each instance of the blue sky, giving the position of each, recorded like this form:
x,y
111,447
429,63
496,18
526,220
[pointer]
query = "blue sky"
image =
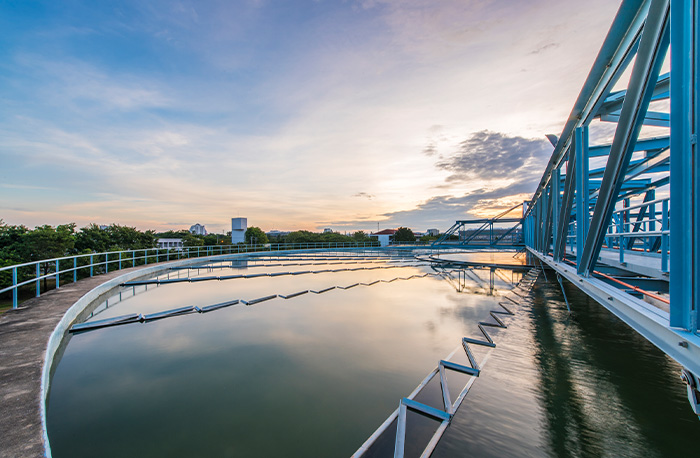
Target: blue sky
x,y
295,114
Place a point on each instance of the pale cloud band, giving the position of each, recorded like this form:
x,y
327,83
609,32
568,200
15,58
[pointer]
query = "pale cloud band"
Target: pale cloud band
x,y
294,114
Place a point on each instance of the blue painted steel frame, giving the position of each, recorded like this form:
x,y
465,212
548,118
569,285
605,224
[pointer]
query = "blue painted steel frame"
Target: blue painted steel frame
x,y
685,173
644,30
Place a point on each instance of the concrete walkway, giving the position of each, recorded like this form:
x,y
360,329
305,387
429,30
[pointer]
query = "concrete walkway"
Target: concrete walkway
x,y
24,334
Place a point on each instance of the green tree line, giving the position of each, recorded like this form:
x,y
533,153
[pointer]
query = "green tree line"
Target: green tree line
x,y
311,237
19,244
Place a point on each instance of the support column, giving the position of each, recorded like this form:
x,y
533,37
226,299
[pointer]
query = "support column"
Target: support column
x,y
567,200
582,216
685,165
556,205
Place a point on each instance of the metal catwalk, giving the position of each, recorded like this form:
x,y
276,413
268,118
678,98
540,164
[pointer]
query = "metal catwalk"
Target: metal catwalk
x,y
620,219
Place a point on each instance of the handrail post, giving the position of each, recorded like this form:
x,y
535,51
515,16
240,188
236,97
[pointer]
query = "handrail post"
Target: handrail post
x,y
91,266
106,262
75,269
38,282
14,290
58,269
120,260
664,237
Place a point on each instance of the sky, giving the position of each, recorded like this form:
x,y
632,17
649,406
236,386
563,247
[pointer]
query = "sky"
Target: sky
x,y
352,115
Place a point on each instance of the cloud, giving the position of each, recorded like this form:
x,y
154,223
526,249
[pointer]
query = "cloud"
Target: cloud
x,y
505,168
493,155
430,149
543,48
443,211
81,84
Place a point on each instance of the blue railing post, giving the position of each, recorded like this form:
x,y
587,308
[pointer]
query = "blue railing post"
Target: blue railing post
x,y
14,290
620,242
38,282
664,237
58,269
75,269
106,262
91,265
120,260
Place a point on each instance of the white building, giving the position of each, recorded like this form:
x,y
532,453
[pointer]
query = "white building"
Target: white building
x,y
434,232
170,244
238,228
198,229
385,237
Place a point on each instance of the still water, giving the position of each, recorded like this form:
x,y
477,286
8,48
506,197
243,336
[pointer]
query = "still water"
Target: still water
x,y
316,374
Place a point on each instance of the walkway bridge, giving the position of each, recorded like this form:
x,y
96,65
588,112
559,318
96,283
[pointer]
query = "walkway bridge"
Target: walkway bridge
x,y
502,231
621,220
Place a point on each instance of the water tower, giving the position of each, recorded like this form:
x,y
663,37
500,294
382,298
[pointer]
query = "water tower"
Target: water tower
x,y
238,228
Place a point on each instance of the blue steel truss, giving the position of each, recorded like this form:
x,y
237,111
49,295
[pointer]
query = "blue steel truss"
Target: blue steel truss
x,y
613,216
500,231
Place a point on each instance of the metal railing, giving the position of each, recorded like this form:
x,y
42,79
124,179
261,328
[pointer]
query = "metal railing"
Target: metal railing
x,y
72,268
641,229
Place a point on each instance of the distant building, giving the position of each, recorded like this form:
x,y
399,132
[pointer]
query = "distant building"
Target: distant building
x,y
170,244
238,228
276,233
328,230
198,229
384,237
104,227
433,232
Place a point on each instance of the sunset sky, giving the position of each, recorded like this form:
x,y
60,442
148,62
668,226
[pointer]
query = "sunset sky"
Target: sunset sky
x,y
295,114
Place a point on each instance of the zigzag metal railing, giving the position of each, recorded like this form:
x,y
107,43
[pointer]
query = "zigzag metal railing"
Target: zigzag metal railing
x,y
445,415
263,274
141,318
69,269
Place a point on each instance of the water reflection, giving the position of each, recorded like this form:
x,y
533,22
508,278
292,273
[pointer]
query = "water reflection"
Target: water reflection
x,y
308,376
317,374
573,386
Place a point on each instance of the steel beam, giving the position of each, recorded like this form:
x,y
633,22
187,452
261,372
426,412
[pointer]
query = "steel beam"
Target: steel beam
x,y
548,220
652,49
556,205
642,145
581,147
685,166
565,210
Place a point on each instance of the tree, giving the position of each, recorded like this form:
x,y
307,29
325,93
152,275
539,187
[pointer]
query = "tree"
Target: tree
x,y
45,242
302,237
334,237
11,251
11,242
255,235
129,238
404,234
360,237
215,239
92,239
